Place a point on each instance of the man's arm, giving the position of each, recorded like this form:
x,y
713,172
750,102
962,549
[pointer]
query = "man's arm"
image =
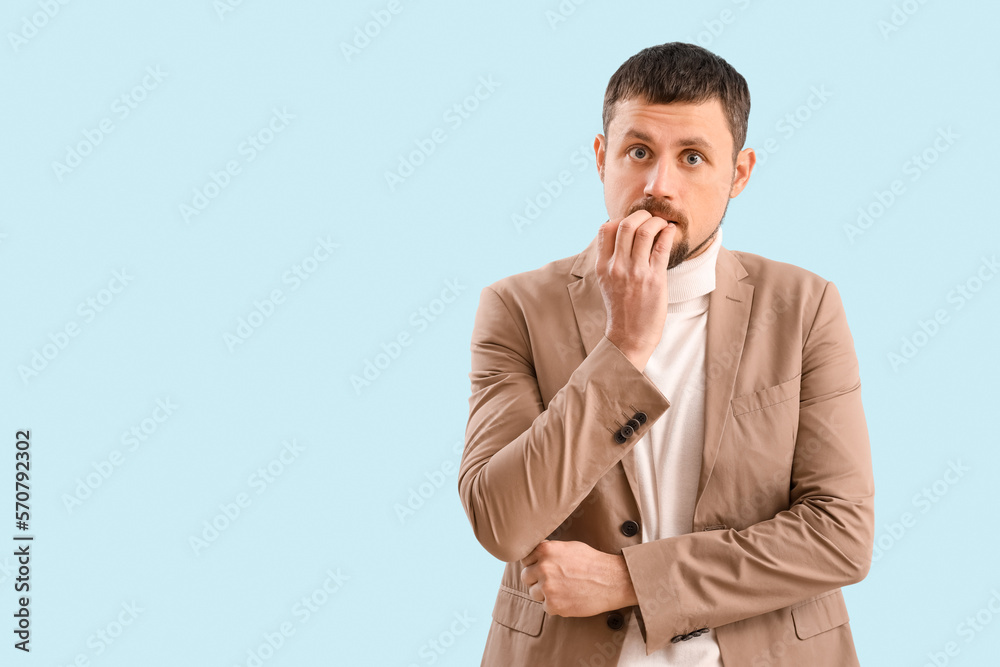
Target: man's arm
x,y
823,541
525,469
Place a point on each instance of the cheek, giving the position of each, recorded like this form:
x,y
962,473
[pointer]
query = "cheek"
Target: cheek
x,y
706,203
716,195
621,191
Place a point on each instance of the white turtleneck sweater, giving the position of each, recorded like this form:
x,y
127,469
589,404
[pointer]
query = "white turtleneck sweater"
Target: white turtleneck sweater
x,y
668,457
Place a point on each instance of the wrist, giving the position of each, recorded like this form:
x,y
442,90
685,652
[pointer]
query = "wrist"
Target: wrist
x,y
624,591
638,357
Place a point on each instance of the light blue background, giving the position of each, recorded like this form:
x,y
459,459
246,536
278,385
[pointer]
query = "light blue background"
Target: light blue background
x,y
333,507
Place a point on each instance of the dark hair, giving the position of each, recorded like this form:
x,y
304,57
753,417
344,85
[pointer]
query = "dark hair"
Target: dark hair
x,y
680,72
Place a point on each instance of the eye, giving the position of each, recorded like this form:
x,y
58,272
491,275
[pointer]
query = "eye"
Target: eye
x,y
638,152
698,157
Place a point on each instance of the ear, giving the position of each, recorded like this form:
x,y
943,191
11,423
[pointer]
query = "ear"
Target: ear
x,y
600,152
745,161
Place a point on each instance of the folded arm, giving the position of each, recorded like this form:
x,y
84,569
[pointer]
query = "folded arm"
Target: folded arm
x,y
821,542
525,467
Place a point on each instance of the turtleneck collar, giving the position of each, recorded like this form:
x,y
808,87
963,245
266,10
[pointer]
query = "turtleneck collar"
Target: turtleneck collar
x,y
696,276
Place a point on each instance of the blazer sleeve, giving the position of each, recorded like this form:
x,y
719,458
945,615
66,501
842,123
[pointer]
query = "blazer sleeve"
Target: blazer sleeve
x,y
526,468
821,542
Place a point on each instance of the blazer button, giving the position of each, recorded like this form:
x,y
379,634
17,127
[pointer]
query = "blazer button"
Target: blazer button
x,y
630,528
616,621
626,430
619,438
677,638
640,417
634,423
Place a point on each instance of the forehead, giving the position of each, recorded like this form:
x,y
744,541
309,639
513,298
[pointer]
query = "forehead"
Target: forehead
x,y
665,123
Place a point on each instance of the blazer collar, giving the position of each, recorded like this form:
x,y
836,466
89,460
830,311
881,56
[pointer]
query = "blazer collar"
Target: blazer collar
x,y
728,319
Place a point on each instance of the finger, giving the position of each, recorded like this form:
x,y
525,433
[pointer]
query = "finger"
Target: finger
x,y
645,236
531,558
626,236
659,257
528,577
605,242
536,593
623,236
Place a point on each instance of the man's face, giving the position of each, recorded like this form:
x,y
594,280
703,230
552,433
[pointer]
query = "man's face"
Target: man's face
x,y
675,161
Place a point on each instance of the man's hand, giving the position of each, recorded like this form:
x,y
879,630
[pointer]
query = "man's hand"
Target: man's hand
x,y
632,271
574,579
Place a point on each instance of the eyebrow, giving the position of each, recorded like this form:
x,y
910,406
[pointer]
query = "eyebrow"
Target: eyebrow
x,y
695,142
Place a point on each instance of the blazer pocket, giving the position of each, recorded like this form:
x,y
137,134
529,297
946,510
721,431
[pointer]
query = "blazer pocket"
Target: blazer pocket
x,y
518,612
820,614
765,398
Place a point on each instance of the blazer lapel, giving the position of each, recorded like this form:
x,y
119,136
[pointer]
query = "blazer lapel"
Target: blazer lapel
x,y
585,295
728,319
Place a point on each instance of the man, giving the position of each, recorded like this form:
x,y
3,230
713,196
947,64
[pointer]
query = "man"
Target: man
x,y
666,442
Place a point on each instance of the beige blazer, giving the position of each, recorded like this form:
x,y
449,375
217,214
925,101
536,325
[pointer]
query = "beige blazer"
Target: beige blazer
x,y
784,510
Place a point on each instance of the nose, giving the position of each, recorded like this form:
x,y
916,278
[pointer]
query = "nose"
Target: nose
x,y
661,182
